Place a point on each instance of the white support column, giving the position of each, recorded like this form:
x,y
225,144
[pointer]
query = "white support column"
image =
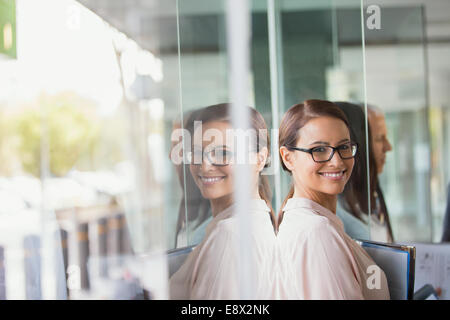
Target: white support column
x,y
274,93
238,41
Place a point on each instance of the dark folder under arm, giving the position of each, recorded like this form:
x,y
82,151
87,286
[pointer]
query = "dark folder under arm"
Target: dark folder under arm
x,y
398,263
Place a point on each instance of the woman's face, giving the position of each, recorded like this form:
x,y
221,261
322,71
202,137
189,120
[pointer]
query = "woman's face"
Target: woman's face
x,y
328,177
216,182
213,181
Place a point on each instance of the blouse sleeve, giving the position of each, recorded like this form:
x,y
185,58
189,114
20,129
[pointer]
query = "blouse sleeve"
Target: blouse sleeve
x,y
215,273
325,266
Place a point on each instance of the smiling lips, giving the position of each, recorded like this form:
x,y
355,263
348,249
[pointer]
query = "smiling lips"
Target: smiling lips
x,y
335,176
210,180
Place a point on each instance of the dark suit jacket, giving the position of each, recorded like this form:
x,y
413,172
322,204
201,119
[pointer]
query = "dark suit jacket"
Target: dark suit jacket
x,y
446,233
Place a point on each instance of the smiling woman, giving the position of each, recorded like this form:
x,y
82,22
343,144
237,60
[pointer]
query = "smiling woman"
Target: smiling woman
x,y
215,180
318,258
212,269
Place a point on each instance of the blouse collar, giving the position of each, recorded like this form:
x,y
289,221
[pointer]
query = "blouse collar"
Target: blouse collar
x,y
303,203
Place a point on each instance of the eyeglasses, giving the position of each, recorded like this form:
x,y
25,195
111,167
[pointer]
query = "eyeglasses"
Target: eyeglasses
x,y
217,157
325,153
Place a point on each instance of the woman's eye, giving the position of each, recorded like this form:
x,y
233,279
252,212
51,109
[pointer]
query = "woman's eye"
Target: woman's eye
x,y
344,147
319,149
222,153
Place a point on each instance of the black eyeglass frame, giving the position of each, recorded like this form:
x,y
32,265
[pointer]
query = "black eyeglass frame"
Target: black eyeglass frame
x,y
310,151
207,155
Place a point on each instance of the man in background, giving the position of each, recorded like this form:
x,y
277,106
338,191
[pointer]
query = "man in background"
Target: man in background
x,y
381,228
380,142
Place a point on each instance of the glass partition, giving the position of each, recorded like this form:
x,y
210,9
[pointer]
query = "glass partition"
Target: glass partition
x,y
398,85
320,55
439,118
205,75
203,80
83,138
91,109
99,98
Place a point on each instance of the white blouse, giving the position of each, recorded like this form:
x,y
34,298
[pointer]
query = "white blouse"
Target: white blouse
x,y
211,269
318,260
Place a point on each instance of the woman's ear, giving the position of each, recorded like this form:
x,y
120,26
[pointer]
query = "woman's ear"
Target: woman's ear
x,y
262,158
287,157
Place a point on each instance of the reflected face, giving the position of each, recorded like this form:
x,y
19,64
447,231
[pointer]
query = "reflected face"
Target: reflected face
x,y
324,178
380,142
214,182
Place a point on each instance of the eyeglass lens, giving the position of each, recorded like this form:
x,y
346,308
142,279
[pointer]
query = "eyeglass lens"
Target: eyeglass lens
x,y
217,156
346,151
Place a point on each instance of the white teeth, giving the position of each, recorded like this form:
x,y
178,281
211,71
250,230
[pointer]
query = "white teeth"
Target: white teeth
x,y
211,180
333,175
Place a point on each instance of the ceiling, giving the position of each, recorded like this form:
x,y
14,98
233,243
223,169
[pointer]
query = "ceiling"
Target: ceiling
x,y
143,19
153,24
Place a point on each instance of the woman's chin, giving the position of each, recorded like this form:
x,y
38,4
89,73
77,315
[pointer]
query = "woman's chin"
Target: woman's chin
x,y
211,195
207,195
334,191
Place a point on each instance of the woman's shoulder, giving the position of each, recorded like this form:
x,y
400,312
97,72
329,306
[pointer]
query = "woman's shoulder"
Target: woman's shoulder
x,y
306,227
316,238
303,219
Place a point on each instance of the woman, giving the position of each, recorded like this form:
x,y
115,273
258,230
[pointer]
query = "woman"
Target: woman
x,y
194,212
211,269
319,260
353,203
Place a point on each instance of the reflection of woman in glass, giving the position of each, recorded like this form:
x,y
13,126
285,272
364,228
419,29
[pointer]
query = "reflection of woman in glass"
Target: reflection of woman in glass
x,y
353,203
319,260
210,271
194,212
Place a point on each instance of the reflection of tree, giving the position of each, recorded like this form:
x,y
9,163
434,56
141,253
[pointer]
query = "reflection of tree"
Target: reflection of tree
x,y
7,144
72,132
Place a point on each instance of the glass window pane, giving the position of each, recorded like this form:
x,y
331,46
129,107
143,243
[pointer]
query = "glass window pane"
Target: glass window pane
x,y
397,86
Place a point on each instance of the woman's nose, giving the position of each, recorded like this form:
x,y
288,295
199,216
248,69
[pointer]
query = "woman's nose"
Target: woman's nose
x,y
336,159
206,164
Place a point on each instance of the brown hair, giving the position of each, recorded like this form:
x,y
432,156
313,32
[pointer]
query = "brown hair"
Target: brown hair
x,y
222,112
356,193
296,118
